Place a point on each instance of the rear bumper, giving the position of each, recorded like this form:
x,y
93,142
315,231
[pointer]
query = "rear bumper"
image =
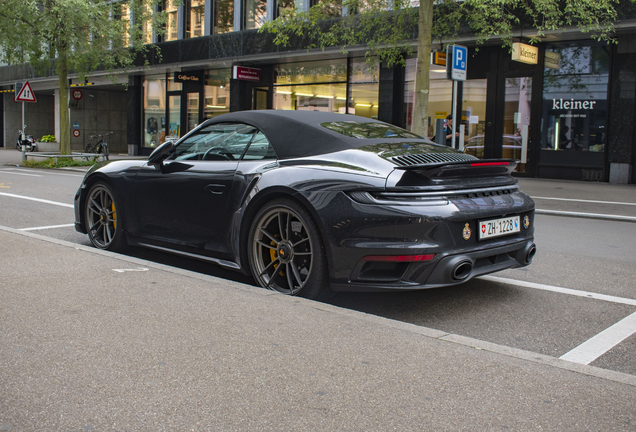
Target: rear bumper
x,y
444,270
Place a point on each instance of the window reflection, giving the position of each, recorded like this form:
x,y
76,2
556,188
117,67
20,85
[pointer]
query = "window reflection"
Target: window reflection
x,y
195,14
255,12
223,16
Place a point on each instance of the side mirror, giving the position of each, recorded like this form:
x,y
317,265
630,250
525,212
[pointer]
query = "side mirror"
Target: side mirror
x,y
161,153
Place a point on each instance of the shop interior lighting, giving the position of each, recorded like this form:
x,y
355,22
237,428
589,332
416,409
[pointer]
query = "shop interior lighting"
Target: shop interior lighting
x,y
283,92
324,96
341,98
556,135
364,105
305,94
216,106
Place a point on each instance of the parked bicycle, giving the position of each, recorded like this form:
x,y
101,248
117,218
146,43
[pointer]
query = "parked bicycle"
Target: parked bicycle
x,y
100,146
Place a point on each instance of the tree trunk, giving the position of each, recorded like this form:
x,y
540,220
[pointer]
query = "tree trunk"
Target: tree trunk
x,y
422,80
65,125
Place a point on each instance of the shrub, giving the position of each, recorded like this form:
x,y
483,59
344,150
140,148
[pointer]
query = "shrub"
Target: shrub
x,y
48,138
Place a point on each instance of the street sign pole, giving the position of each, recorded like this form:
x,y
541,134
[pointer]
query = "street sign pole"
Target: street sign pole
x,y
23,135
456,69
454,113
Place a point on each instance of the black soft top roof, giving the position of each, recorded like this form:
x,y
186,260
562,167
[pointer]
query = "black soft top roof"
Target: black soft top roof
x,y
296,134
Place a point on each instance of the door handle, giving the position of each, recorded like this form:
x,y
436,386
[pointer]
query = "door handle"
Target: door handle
x,y
216,189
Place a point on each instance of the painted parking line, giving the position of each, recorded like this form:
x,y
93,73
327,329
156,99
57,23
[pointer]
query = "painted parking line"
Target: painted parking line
x,y
20,171
578,293
46,227
37,199
6,171
595,347
584,201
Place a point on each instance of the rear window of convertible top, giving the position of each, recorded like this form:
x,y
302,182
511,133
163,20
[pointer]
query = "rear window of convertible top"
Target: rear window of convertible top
x,y
369,130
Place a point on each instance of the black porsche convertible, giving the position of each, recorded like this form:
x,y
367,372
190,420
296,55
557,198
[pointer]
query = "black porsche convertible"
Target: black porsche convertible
x,y
310,203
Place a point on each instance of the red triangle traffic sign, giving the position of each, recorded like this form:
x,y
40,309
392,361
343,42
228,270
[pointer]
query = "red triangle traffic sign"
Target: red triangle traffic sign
x,y
26,94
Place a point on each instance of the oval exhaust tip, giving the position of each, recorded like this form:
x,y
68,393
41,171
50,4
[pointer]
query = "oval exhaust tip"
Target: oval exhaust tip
x,y
462,270
531,252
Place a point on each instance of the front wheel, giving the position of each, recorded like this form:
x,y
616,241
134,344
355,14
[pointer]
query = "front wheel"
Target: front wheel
x,y
286,253
103,218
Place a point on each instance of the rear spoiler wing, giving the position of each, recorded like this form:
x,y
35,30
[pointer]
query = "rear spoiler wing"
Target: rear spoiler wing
x,y
474,168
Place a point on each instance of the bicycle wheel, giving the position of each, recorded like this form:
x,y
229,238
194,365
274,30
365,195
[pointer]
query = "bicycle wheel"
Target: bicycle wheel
x,y
90,148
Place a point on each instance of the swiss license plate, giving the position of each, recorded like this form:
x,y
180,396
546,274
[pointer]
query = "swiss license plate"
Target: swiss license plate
x,y
498,227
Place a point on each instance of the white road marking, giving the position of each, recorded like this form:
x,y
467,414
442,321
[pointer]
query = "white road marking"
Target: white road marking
x,y
582,200
138,269
19,173
37,199
586,215
578,293
13,171
46,227
595,347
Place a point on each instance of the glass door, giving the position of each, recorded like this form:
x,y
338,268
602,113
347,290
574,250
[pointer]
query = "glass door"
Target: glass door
x,y
174,116
192,111
518,98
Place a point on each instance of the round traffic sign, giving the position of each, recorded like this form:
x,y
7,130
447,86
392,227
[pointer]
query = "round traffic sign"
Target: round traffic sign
x,y
76,133
77,94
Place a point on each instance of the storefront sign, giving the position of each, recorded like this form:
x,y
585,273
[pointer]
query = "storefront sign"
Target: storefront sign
x,y
525,53
560,104
552,60
440,114
245,73
190,76
438,58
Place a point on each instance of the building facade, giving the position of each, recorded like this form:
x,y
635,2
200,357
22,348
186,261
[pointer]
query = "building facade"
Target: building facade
x,y
565,108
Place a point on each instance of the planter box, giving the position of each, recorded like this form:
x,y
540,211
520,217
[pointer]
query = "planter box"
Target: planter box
x,y
48,147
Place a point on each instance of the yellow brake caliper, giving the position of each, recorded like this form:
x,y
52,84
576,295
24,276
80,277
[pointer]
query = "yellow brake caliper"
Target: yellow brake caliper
x,y
273,254
114,218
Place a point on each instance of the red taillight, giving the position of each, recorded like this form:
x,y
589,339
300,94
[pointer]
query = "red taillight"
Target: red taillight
x,y
399,258
478,164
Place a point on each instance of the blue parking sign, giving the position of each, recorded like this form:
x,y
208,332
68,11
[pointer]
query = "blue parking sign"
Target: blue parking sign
x,y
458,62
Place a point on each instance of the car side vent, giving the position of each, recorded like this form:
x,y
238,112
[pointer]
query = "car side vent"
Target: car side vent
x,y
426,158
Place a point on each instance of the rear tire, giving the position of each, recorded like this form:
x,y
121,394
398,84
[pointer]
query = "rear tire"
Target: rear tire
x,y
103,218
286,253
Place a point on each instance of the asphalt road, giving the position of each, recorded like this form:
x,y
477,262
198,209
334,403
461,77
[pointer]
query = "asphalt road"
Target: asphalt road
x,y
578,296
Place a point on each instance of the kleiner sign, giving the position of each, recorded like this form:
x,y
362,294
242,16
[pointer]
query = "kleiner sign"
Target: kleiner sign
x,y
458,56
525,53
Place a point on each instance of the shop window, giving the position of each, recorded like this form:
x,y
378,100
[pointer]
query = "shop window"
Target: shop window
x,y
195,14
223,20
439,98
311,86
154,109
574,107
217,93
364,87
254,13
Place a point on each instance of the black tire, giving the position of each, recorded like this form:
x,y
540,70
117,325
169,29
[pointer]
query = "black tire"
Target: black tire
x,y
104,219
286,253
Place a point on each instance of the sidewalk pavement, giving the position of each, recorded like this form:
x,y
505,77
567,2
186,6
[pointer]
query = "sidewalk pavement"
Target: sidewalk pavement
x,y
556,197
92,340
